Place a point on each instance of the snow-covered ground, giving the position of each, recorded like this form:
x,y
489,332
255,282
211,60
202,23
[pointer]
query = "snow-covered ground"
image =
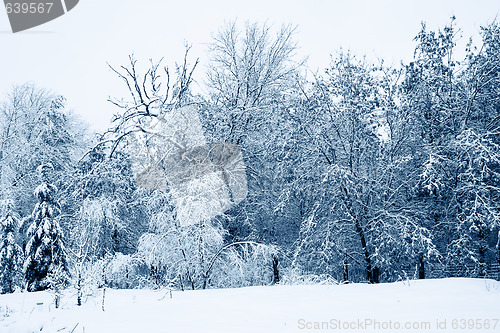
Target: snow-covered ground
x,y
419,306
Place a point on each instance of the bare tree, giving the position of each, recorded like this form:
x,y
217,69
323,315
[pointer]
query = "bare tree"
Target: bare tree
x,y
151,95
248,69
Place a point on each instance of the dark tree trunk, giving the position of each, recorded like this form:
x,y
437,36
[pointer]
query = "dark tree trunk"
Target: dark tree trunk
x,y
421,268
346,269
375,275
361,234
276,274
181,283
498,247
79,290
482,252
190,280
154,274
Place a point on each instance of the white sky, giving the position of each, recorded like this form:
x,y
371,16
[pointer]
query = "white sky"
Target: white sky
x,y
69,54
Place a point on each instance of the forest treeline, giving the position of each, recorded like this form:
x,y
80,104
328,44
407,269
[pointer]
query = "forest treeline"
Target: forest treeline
x,y
361,172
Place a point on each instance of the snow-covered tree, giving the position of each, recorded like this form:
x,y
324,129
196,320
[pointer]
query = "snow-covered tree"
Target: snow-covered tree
x,y
45,253
151,95
35,128
176,252
11,254
106,208
477,194
249,68
455,127
252,73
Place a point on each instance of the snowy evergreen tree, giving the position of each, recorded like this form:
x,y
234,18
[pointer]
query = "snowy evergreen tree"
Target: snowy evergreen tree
x,y
11,254
45,253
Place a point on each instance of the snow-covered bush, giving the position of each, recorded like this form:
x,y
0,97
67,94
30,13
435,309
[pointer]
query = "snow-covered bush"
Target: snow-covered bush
x,y
242,264
181,252
294,276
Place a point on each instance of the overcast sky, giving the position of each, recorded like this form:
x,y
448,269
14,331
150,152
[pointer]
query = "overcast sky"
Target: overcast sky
x,y
69,54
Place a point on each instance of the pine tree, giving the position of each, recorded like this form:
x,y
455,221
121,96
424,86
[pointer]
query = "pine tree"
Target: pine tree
x,y
45,249
11,254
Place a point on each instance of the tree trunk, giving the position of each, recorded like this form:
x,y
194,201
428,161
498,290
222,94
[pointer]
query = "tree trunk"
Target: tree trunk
x,y
127,284
103,298
346,269
276,275
482,252
191,281
375,275
421,267
79,289
181,283
361,234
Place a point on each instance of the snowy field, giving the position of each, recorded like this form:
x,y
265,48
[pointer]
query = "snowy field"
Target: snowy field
x,y
416,305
